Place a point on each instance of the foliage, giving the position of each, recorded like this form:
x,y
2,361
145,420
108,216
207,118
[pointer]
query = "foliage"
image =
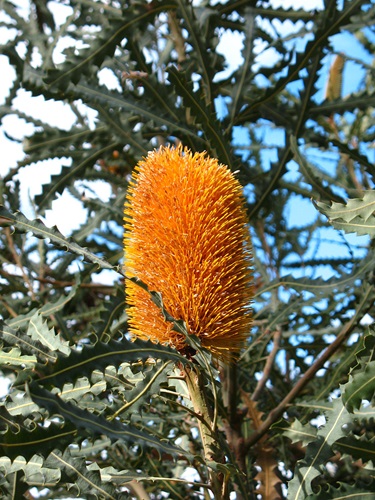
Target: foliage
x,y
93,414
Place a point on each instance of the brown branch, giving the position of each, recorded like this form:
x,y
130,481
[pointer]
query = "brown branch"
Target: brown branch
x,y
17,260
63,284
350,168
138,490
268,366
60,283
233,424
309,374
11,311
177,37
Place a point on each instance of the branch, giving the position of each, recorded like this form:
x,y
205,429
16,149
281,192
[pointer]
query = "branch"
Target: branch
x,y
309,374
18,262
211,447
176,36
63,284
268,366
137,488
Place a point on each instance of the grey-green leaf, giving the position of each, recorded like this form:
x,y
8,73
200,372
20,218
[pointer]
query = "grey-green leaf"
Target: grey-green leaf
x,y
38,330
40,230
357,216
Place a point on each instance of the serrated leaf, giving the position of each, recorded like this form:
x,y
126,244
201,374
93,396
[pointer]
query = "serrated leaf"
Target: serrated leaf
x,y
14,357
244,74
20,404
80,388
96,94
204,116
105,43
296,431
355,209
345,492
361,383
88,482
15,337
120,477
310,174
357,225
355,154
359,449
355,217
91,423
90,447
40,230
48,308
110,474
347,359
115,378
318,286
361,386
147,384
112,310
180,386
318,452
54,139
112,210
200,41
268,477
362,100
38,330
17,440
99,356
69,174
36,474
365,412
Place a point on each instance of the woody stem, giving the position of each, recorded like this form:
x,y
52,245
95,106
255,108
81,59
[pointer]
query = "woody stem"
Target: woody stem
x,y
203,409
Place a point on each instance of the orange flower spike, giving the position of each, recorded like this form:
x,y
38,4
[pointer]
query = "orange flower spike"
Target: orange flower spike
x,y
186,237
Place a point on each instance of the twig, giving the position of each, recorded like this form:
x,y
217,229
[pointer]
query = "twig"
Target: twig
x,y
268,366
309,374
18,262
176,35
63,284
56,284
256,341
138,490
140,394
230,391
11,311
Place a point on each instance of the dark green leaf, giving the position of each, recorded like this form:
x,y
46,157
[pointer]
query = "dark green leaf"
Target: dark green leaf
x,y
40,230
345,492
91,423
89,358
359,449
38,330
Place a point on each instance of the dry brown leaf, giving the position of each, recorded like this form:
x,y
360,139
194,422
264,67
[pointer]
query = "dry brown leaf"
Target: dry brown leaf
x,y
267,477
334,86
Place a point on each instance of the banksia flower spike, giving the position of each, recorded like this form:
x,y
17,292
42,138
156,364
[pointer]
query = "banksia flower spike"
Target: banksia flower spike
x,y
186,237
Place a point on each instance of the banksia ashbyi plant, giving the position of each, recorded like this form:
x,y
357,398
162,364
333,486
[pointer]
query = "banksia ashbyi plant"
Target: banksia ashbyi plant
x,y
186,237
